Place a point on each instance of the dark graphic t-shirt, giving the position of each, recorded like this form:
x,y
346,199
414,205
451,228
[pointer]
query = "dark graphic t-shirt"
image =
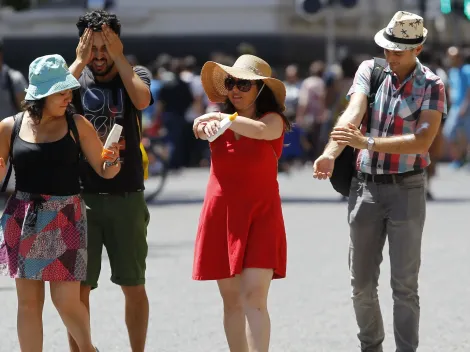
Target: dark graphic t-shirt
x,y
104,104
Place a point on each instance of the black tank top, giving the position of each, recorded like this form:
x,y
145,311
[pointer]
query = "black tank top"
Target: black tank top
x,y
47,168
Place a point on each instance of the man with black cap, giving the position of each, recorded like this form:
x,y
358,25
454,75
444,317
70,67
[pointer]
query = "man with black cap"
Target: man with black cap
x,y
12,86
388,195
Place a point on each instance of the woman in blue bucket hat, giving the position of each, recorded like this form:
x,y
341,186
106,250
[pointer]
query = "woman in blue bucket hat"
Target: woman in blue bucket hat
x,y
43,228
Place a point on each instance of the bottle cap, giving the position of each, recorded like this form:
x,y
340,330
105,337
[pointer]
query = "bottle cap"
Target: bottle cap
x,y
233,116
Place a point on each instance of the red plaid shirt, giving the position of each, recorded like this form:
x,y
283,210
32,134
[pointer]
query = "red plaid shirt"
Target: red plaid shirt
x,y
396,112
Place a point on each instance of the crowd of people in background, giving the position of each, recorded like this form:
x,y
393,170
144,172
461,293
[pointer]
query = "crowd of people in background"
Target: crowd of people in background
x,y
315,99
316,96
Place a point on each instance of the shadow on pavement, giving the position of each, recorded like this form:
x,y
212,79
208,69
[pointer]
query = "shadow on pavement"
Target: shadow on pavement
x,y
5,289
292,200
285,200
161,250
169,249
451,200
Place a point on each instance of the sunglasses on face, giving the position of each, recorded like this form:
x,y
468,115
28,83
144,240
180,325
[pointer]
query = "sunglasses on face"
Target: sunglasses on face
x,y
243,85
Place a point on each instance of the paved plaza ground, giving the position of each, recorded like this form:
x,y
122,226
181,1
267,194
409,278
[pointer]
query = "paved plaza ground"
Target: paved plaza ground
x,y
311,309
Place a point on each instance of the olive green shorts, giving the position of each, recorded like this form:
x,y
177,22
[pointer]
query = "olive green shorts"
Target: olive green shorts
x,y
119,223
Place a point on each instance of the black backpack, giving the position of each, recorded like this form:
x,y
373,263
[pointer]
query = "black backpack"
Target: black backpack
x,y
345,163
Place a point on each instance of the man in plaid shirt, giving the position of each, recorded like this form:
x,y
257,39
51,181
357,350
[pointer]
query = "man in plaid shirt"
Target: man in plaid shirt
x,y
388,194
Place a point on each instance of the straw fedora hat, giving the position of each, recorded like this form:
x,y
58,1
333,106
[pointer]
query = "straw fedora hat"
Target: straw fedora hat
x,y
248,67
404,32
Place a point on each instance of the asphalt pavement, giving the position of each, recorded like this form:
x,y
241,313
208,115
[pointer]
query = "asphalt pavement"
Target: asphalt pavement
x,y
311,309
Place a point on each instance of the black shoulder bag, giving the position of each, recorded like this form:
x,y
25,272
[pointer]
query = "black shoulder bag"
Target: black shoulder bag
x,y
345,163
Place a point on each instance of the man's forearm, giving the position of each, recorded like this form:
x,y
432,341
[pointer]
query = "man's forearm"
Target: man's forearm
x,y
135,87
354,115
77,68
412,143
406,144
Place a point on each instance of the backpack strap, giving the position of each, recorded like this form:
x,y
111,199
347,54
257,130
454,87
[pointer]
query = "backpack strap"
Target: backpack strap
x,y
11,89
18,118
73,128
377,77
139,128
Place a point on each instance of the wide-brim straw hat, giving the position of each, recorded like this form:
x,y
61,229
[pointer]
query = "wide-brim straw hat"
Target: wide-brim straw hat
x,y
404,32
248,67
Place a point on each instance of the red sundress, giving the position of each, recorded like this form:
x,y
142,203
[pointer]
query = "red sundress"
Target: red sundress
x,y
241,223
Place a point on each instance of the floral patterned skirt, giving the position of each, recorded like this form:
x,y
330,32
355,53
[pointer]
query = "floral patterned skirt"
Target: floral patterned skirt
x,y
44,237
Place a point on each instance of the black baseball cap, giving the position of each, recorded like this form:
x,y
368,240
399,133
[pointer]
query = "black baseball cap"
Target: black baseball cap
x,y
1,45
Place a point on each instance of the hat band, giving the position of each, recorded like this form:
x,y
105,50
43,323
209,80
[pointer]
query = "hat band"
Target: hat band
x,y
394,39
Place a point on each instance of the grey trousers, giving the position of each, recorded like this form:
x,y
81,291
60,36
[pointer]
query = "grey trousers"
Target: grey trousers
x,y
375,211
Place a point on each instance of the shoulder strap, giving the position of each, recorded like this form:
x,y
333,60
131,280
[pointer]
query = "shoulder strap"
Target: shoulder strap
x,y
377,77
16,130
18,118
138,127
73,127
11,90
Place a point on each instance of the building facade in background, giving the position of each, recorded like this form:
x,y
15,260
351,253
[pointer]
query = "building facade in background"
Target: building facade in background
x,y
182,27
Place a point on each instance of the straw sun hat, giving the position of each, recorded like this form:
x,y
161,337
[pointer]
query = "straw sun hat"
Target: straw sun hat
x,y
248,67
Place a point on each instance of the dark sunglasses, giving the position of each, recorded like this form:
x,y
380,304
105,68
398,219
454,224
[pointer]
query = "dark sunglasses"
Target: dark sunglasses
x,y
243,85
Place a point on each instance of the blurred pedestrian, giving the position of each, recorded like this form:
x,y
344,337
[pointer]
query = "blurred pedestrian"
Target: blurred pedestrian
x,y
457,126
312,114
12,86
174,101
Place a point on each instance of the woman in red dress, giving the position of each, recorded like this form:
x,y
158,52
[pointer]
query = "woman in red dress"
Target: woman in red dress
x,y
241,239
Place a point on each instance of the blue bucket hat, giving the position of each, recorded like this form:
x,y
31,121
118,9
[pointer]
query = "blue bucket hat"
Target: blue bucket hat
x,y
49,75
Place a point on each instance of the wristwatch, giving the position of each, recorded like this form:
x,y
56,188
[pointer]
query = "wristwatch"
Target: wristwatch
x,y
370,143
